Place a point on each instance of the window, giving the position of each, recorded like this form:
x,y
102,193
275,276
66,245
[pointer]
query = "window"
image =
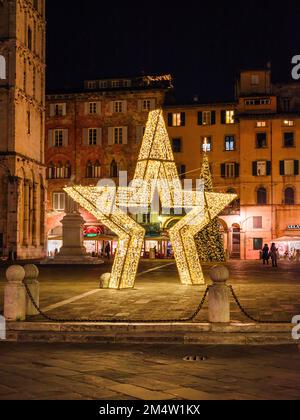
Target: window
x,y
230,170
176,145
58,138
257,222
24,74
92,107
91,84
2,67
29,38
288,139
289,167
93,170
28,122
261,101
181,171
286,103
59,109
92,136
261,168
229,143
33,82
58,201
288,123
254,79
147,218
261,140
113,169
206,118
115,84
289,196
103,84
257,244
176,119
229,117
146,105
261,196
118,135
261,124
118,106
206,144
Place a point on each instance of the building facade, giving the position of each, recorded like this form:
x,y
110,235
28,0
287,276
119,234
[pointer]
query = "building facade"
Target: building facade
x,y
252,143
22,106
253,146
95,134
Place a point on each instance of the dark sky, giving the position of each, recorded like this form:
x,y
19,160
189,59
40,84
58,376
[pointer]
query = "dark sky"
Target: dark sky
x,y
201,43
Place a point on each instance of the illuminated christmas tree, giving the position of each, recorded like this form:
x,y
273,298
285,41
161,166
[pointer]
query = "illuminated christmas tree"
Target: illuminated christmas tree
x,y
209,240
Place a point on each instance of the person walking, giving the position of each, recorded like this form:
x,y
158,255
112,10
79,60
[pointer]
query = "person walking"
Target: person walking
x,y
265,254
107,250
273,255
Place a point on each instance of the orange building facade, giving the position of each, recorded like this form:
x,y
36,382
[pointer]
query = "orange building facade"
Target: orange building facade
x,y
252,143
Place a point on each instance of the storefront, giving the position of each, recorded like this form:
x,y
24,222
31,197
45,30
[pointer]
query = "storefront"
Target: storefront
x,y
288,247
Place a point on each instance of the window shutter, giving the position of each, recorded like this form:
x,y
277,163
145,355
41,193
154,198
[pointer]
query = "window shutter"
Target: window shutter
x,y
213,117
65,137
296,167
55,201
85,136
237,170
182,117
50,138
139,105
223,117
200,118
152,104
223,170
124,106
111,107
98,108
125,135
170,119
86,108
269,167
254,168
110,135
99,136
52,110
64,111
281,166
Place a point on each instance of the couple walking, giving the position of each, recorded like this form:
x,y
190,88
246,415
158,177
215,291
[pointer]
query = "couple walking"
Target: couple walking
x,y
270,253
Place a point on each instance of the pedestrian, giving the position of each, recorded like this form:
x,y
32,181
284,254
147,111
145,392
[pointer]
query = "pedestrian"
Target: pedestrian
x,y
273,255
107,250
265,254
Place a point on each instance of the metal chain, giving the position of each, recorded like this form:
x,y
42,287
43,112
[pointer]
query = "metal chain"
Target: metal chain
x,y
123,321
259,321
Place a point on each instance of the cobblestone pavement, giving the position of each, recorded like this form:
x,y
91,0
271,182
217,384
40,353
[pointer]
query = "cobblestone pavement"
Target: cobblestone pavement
x,y
52,371
266,292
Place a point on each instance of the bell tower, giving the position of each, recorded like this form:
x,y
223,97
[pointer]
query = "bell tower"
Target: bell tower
x,y
22,117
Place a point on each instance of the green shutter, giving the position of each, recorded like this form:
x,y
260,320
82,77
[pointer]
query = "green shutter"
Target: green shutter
x,y
223,170
254,168
200,118
213,117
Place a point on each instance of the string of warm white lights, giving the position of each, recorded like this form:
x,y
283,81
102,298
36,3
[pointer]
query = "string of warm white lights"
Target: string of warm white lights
x,y
156,169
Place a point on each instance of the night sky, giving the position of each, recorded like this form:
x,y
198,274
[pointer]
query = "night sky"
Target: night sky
x,y
203,44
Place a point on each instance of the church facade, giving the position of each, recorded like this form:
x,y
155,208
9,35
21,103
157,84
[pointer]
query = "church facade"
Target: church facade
x,y
22,118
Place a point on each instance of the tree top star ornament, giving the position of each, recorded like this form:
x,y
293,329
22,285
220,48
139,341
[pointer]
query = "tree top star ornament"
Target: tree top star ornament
x,y
155,170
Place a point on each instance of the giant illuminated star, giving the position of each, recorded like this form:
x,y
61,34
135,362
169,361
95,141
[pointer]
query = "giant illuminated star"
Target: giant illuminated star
x,y
155,170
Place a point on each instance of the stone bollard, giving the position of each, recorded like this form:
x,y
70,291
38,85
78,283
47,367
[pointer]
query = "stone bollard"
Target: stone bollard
x,y
31,275
15,294
218,295
104,281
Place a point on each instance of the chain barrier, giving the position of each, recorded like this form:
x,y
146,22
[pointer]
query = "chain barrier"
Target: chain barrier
x,y
259,321
123,321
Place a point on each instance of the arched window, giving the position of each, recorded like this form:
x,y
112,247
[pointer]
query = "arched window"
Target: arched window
x,y
89,170
113,169
261,196
289,196
97,171
67,170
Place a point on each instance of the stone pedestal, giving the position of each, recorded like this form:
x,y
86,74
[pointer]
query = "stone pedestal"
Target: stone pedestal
x,y
31,275
218,296
73,250
15,294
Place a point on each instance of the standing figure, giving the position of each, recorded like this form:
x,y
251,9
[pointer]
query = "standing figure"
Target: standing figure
x,y
273,255
107,250
265,254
